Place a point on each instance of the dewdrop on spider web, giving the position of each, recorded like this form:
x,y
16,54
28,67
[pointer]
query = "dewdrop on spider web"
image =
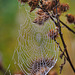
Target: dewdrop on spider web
x,y
36,53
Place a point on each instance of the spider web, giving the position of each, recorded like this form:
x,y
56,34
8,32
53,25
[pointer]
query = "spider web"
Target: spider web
x,y
36,53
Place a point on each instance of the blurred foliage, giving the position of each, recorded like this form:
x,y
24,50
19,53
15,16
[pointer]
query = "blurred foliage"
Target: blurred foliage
x,y
8,28
9,31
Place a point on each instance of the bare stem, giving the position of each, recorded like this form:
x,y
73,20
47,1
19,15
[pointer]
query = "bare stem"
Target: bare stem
x,y
67,27
61,36
60,48
68,58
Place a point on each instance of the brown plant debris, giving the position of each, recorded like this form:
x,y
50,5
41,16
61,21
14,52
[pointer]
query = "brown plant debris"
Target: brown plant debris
x,y
70,18
40,66
41,19
53,34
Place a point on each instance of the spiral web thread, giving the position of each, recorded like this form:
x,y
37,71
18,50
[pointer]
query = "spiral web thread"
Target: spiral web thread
x,y
36,53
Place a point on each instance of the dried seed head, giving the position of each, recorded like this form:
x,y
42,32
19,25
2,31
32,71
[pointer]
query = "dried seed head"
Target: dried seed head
x,y
64,7
42,71
41,66
40,12
58,11
53,34
41,19
70,18
46,5
54,4
61,9
33,4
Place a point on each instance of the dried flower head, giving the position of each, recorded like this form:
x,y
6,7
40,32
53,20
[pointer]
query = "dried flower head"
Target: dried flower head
x,y
61,9
58,11
54,4
46,5
41,19
42,71
70,18
53,34
40,12
64,7
40,66
33,4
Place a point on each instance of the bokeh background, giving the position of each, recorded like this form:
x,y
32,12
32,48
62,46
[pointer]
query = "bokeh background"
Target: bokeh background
x,y
9,25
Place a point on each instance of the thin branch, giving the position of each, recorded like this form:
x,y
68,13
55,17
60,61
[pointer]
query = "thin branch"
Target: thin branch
x,y
67,27
62,65
61,36
48,14
64,24
60,48
68,58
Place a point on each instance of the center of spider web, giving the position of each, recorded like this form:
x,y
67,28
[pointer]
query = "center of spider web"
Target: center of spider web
x,y
38,37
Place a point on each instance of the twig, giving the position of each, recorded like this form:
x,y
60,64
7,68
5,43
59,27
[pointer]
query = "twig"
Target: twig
x,y
61,66
61,36
67,27
68,58
60,48
64,25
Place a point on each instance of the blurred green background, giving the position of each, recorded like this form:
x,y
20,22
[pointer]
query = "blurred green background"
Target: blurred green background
x,y
9,26
8,29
